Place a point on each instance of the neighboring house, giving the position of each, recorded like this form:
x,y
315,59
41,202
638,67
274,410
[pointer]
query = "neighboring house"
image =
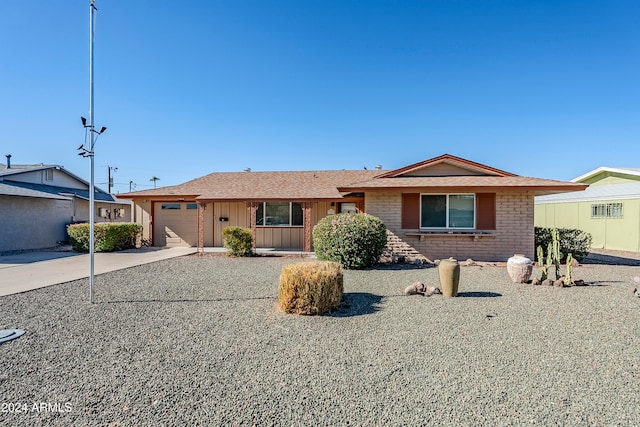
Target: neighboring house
x,y
37,202
609,209
442,207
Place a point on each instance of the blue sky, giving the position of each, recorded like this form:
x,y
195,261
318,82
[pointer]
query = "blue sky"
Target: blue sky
x,y
549,89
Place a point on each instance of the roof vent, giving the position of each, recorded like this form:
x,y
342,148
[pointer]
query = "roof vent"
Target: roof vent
x,y
378,167
8,156
247,169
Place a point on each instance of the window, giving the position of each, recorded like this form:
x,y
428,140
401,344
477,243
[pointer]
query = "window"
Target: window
x,y
192,206
166,206
348,207
279,214
49,175
447,211
606,210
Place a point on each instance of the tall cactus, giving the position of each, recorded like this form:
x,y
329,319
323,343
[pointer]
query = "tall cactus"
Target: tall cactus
x,y
544,268
567,277
556,254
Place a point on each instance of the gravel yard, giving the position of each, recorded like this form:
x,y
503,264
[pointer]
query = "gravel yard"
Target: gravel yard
x,y
197,341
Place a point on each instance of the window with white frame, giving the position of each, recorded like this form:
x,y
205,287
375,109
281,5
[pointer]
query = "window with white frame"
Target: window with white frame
x,y
279,214
49,175
447,211
606,210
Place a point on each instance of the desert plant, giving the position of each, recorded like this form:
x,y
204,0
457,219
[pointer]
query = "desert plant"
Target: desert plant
x,y
555,251
238,241
544,265
310,287
109,236
574,241
569,269
354,240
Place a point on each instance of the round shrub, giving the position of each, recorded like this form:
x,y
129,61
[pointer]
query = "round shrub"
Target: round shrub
x,y
238,241
109,236
310,287
354,240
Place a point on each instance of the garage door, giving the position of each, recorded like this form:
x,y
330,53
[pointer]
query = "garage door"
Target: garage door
x,y
175,224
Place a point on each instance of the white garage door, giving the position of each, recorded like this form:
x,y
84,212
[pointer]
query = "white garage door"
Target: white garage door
x,y
175,224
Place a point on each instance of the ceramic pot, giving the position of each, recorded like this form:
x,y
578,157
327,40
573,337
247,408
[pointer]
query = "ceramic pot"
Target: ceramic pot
x,y
449,272
519,268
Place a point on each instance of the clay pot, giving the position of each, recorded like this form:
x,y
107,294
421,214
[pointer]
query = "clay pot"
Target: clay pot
x,y
519,268
449,272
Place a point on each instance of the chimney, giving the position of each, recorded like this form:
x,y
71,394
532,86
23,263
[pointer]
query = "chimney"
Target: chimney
x,y
8,156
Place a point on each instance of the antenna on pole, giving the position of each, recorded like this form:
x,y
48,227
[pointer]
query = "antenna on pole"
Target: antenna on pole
x,y
89,151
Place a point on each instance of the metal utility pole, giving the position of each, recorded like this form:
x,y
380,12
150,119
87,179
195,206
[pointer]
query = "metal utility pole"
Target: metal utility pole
x,y
109,177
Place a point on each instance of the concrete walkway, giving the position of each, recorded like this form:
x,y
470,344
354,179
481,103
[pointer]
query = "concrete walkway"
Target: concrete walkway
x,y
33,270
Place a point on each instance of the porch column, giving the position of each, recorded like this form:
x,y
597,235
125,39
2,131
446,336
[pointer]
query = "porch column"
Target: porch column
x,y
306,220
201,208
253,209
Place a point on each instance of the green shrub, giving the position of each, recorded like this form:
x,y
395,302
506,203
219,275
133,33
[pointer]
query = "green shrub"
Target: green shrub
x,y
354,240
238,241
310,287
109,236
572,241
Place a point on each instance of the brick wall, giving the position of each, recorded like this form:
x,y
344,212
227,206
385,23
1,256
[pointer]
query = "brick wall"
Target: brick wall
x,y
514,230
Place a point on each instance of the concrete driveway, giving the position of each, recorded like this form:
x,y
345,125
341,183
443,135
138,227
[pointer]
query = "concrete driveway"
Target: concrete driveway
x,y
33,270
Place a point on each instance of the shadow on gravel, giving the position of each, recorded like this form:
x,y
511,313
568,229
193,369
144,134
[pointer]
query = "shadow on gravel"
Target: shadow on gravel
x,y
479,294
357,304
601,259
401,266
603,282
183,300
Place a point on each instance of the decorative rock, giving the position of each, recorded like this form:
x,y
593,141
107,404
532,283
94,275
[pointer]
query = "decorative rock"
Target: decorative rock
x,y
415,288
547,282
536,282
636,292
431,290
519,268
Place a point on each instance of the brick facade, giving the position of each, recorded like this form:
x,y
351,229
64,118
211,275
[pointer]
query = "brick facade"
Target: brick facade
x,y
514,229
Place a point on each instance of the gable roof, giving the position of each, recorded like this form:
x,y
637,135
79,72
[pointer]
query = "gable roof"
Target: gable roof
x,y
99,195
27,189
447,184
462,176
455,174
18,169
605,169
261,186
12,190
456,162
630,190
